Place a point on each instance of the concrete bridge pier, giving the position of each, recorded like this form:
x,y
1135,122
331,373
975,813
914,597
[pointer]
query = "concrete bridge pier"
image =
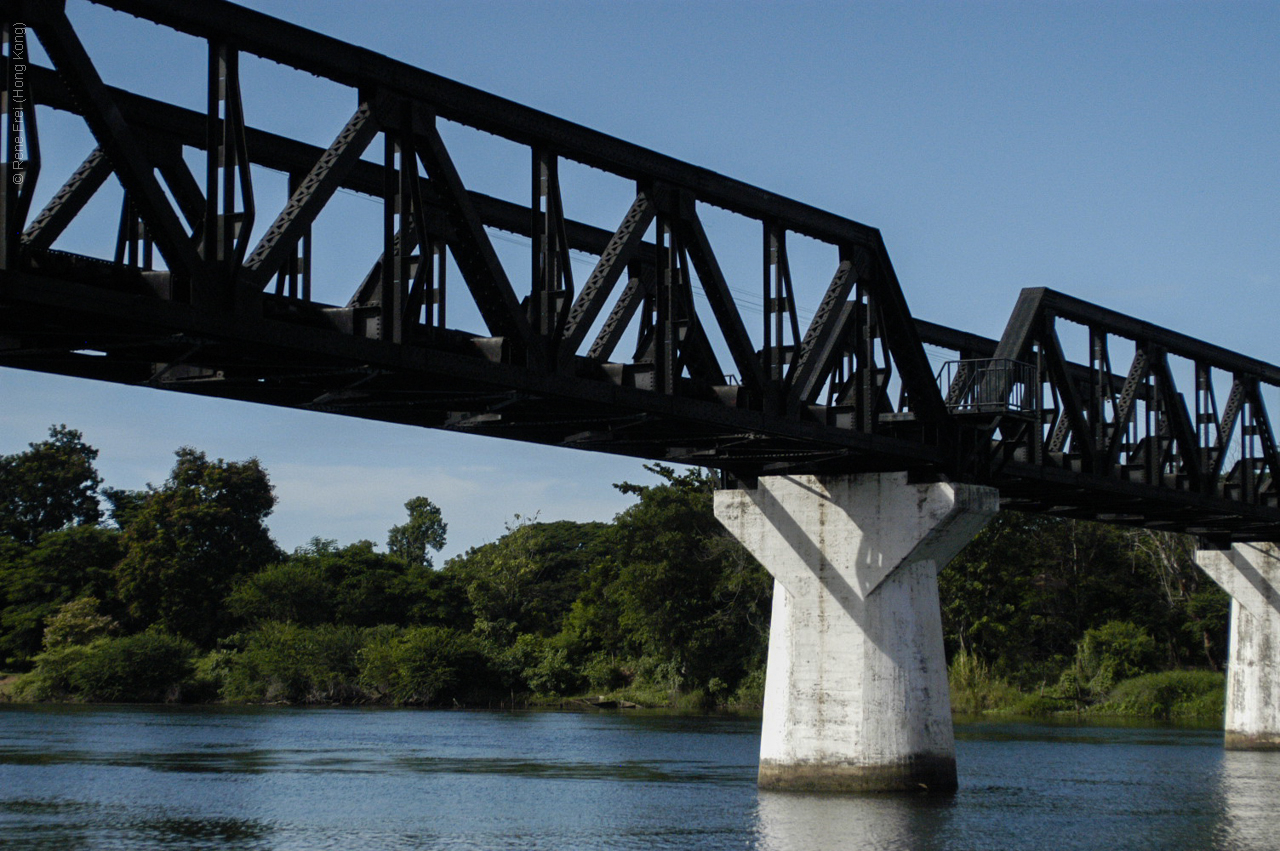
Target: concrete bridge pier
x,y
1250,573
856,696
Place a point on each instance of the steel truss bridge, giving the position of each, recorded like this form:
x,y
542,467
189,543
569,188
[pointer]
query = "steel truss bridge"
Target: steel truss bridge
x,y
1076,410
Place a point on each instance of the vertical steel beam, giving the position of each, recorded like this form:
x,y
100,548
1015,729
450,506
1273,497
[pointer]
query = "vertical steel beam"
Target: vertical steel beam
x,y
400,169
229,206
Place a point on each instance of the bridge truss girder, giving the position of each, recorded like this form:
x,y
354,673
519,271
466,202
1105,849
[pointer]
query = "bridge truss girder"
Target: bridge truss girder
x,y
185,300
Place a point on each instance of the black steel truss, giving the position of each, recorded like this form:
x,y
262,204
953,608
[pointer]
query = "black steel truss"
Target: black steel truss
x,y
183,301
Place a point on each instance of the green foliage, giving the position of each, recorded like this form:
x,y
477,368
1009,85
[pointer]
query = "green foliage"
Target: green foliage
x,y
149,667
690,603
280,662
750,692
1118,650
352,585
52,677
549,671
976,689
425,666
77,622
35,581
49,487
527,580
660,607
291,592
189,540
425,530
1025,591
1187,695
605,673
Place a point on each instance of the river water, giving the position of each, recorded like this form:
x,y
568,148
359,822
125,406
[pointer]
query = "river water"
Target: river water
x,y
219,778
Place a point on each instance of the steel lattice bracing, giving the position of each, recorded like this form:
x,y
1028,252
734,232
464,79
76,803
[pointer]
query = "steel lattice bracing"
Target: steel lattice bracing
x,y
645,355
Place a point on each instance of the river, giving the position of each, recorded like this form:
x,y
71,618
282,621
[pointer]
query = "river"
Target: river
x,y
246,779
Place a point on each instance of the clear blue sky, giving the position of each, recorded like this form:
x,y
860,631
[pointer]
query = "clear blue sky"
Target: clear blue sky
x,y
1122,152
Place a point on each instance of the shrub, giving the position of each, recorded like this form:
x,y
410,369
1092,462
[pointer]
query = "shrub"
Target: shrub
x,y
50,678
552,674
293,664
975,688
1187,695
750,692
425,665
150,667
1115,651
604,672
77,622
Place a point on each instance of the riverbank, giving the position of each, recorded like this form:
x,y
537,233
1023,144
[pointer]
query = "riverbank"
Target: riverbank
x,y
1192,696
1185,696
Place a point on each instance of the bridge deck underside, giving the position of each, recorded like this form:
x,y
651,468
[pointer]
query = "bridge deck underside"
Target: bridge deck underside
x,y
296,359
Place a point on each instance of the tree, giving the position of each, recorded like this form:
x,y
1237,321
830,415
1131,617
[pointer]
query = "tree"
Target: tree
x,y
689,599
49,487
77,623
36,581
290,592
424,530
526,581
1026,591
189,540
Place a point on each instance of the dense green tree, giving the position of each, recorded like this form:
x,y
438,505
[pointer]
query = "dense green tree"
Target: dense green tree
x,y
36,581
78,622
426,665
49,487
526,581
294,591
352,585
190,539
425,530
1023,594
689,599
296,664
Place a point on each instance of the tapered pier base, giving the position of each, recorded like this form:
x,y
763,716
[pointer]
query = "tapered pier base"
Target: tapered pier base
x,y
856,696
1250,573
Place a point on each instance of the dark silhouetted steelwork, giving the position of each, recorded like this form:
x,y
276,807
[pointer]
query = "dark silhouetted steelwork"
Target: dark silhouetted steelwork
x,y
184,299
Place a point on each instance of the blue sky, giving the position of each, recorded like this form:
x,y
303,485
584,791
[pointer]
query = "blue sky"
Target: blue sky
x,y
1125,153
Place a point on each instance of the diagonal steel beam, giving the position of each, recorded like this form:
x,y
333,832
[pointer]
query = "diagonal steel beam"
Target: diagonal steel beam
x,y
1226,425
122,147
717,291
1262,427
472,250
815,358
1125,406
903,341
62,208
1063,382
182,184
324,179
1175,405
624,310
613,262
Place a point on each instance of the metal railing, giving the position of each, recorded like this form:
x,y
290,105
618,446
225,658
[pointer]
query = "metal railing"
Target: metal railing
x,y
988,386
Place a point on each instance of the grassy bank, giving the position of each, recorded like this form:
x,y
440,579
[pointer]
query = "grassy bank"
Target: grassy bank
x,y
1165,696
328,666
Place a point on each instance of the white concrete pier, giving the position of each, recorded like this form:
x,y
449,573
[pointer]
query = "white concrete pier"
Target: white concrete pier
x,y
1250,573
856,695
